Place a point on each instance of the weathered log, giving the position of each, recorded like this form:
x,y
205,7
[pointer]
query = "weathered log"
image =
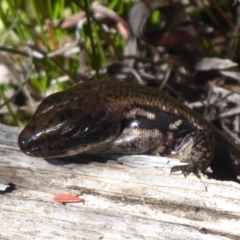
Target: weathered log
x,y
137,199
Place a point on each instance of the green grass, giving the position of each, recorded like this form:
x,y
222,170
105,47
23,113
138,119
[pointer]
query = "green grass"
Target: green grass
x,y
30,23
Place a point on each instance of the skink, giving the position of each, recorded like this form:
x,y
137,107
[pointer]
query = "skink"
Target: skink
x,y
125,118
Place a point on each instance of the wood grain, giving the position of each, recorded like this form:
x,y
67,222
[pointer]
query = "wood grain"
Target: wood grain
x,y
134,197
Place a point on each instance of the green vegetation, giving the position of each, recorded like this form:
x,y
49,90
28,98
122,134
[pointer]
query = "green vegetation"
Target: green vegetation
x,y
54,44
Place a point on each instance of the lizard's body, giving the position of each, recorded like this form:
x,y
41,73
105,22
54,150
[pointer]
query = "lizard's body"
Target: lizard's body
x,y
124,118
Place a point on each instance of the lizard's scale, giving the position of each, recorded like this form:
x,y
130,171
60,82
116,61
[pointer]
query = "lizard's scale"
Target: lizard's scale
x,y
124,118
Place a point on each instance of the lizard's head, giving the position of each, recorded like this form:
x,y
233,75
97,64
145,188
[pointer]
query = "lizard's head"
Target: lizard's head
x,y
65,124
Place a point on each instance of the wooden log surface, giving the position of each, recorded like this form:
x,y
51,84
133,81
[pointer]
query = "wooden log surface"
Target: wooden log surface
x,y
134,197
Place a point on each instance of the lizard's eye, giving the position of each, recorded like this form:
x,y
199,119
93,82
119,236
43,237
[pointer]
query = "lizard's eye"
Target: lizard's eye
x,y
79,132
70,129
73,131
85,130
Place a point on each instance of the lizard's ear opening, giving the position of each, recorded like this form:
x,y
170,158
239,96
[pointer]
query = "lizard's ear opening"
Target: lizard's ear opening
x,y
123,125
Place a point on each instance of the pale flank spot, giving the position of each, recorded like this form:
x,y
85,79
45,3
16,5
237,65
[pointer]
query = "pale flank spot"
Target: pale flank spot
x,y
175,125
141,112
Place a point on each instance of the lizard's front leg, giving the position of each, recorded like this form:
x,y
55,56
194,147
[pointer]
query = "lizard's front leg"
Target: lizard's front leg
x,y
196,149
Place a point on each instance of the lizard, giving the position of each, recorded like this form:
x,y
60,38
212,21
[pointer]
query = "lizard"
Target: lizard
x,y
116,117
